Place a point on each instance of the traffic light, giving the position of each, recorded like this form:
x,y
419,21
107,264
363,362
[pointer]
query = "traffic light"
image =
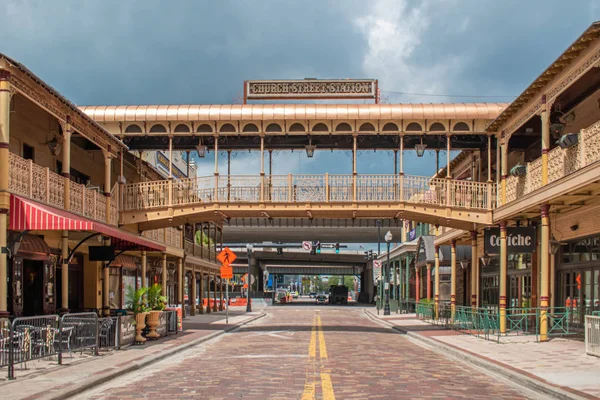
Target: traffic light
x,y
337,248
318,246
279,251
314,249
366,255
370,254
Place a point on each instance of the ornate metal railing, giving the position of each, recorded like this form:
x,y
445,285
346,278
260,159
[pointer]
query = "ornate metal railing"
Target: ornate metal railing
x,y
561,163
40,184
323,188
170,236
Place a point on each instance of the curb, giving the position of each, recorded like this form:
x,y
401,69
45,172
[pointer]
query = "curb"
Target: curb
x,y
136,365
523,380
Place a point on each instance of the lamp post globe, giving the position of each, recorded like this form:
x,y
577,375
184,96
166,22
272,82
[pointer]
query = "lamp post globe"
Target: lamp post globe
x,y
386,308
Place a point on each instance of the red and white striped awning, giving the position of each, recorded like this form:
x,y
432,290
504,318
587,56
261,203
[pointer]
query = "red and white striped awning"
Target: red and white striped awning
x,y
28,215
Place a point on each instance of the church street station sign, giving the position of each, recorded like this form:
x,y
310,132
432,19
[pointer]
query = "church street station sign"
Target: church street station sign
x,y
311,89
518,240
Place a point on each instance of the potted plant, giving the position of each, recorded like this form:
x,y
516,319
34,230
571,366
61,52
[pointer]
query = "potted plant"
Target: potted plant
x,y
138,304
157,303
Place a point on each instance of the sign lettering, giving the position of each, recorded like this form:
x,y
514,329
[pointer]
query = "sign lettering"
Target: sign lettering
x,y
518,240
302,89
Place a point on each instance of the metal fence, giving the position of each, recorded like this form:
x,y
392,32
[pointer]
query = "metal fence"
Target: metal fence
x,y
485,322
108,332
592,335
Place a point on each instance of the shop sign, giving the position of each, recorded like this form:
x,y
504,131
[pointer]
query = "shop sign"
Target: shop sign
x,y
311,89
127,334
518,240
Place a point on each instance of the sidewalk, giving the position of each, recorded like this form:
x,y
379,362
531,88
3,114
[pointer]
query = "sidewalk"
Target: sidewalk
x,y
559,368
52,381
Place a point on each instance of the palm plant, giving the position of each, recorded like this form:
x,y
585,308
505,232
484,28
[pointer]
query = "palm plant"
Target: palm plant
x,y
156,301
137,300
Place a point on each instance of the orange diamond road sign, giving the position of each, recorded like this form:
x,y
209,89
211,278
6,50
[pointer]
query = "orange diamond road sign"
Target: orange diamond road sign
x,y
226,272
226,256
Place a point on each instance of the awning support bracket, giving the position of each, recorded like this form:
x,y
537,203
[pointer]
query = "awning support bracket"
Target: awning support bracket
x,y
82,241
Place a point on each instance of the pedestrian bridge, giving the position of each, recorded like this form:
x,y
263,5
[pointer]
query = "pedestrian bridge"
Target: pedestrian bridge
x,y
454,203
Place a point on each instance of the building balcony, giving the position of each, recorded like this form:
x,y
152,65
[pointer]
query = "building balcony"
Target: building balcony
x,y
570,172
168,236
37,183
202,252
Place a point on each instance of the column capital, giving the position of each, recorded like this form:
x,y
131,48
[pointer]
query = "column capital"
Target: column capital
x,y
453,244
473,235
545,209
437,248
503,226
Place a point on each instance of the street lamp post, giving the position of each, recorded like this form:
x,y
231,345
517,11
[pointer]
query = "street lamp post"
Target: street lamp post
x,y
248,279
386,310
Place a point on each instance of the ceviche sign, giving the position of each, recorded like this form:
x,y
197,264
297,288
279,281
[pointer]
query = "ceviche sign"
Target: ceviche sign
x,y
518,240
311,89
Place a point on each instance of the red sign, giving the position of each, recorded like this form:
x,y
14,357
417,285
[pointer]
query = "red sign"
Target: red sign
x,y
226,272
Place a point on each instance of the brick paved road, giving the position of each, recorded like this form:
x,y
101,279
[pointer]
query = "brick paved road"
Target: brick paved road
x,y
308,352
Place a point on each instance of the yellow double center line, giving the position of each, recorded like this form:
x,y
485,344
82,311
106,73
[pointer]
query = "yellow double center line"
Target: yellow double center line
x,y
310,385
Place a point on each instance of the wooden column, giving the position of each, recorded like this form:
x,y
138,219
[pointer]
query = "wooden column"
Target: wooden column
x,y
354,173
448,173
545,269
107,186
216,192
407,272
428,281
194,293
66,162
228,175
262,168
417,285
64,273
5,99
401,177
208,308
453,277
545,117
171,157
503,269
164,275
437,280
144,269
201,295
504,161
215,308
474,269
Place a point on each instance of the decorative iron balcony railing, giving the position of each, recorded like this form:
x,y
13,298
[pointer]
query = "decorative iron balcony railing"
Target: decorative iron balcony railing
x,y
324,188
25,178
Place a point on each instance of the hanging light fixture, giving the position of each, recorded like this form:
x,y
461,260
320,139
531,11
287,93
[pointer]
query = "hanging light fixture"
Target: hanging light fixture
x,y
310,148
485,260
201,149
55,146
420,148
464,264
554,245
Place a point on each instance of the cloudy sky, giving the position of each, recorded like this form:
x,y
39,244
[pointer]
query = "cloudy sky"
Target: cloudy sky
x,y
200,52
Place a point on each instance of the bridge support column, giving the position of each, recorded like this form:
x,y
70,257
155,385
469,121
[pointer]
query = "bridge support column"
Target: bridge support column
x,y
474,269
453,278
262,168
437,281
354,173
545,269
503,268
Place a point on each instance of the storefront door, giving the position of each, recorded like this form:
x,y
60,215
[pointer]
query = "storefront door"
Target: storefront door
x,y
33,287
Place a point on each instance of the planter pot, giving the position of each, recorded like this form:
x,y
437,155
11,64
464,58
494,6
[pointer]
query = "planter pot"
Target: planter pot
x,y
153,321
140,324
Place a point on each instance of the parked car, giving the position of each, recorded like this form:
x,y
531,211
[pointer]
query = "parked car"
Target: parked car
x,y
295,295
312,295
321,299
